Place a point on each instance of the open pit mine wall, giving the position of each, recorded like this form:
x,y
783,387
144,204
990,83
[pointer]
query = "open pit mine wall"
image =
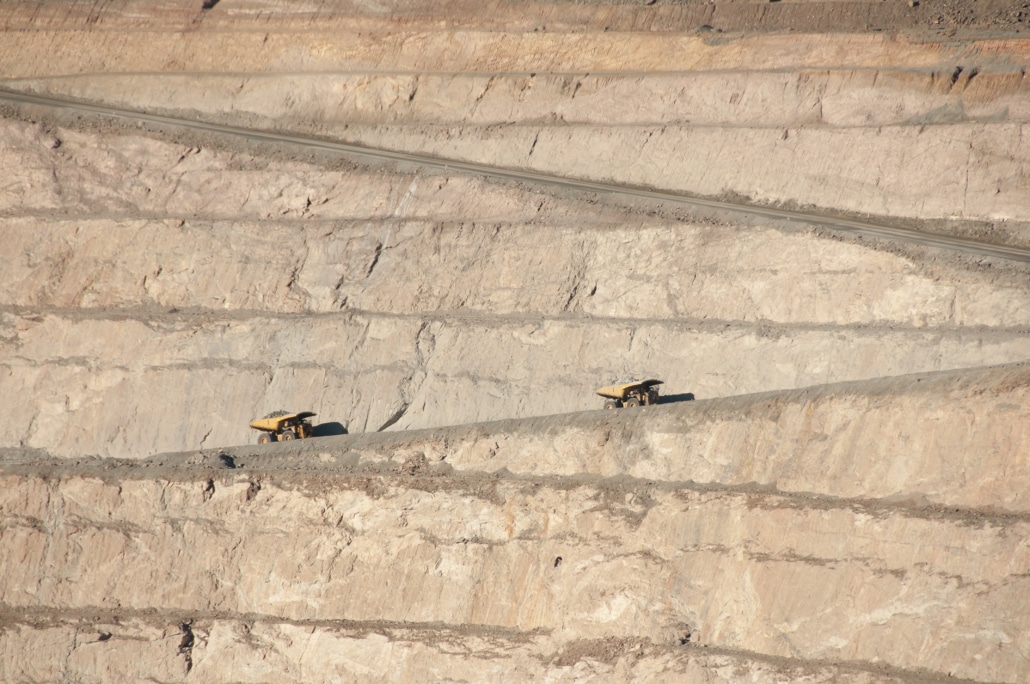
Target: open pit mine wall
x,y
185,383
239,280
95,220
161,290
881,124
869,531
160,296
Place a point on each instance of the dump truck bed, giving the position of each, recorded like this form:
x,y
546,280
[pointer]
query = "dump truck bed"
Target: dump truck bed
x,y
620,391
276,423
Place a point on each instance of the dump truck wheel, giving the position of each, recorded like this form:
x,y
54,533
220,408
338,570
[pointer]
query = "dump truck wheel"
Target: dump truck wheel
x,y
630,403
286,436
611,404
264,438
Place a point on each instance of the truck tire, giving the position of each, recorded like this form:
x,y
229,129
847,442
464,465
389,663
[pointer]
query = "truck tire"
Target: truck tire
x,y
611,404
630,403
264,438
287,436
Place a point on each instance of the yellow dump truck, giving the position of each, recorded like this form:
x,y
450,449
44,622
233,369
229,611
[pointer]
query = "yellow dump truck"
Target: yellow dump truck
x,y
280,426
630,393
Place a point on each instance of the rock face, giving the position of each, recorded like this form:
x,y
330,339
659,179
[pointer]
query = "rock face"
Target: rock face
x,y
844,500
801,536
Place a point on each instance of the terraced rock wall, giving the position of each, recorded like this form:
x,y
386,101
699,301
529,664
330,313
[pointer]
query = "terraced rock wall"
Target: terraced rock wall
x,y
874,123
228,286
833,489
784,529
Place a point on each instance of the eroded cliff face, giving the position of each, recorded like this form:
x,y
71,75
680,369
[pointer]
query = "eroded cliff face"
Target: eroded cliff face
x,y
833,489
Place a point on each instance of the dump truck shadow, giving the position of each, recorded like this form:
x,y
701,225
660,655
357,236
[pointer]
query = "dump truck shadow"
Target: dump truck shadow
x,y
672,398
328,429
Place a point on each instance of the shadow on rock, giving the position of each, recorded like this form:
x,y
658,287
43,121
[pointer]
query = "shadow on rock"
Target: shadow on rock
x,y
328,429
673,398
